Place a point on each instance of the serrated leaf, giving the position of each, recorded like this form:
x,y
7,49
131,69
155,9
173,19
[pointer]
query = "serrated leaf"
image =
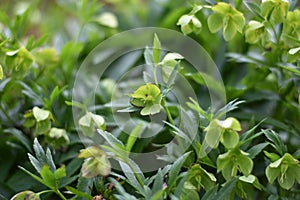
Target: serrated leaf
x,y
60,173
35,163
49,160
48,177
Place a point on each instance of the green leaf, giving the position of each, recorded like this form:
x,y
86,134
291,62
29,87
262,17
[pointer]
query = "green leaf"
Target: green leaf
x,y
42,158
79,193
224,193
175,169
253,151
46,56
60,173
278,144
272,156
133,137
156,49
189,194
48,177
294,50
34,176
1,72
21,137
158,182
170,78
148,56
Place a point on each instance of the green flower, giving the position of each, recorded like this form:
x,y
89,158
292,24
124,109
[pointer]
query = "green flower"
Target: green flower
x,y
26,195
255,32
291,28
233,161
90,122
39,118
147,97
286,170
224,131
95,163
227,17
199,178
274,10
189,24
57,137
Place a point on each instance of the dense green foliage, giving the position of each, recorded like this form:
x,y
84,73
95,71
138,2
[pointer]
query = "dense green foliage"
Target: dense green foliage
x,y
246,149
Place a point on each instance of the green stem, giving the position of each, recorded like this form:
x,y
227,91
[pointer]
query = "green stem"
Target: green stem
x,y
60,194
163,103
45,191
155,75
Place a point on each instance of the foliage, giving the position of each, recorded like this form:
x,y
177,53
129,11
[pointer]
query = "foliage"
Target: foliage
x,y
246,149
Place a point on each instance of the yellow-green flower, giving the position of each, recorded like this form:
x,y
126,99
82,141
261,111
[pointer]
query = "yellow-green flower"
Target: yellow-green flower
x,y
147,97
